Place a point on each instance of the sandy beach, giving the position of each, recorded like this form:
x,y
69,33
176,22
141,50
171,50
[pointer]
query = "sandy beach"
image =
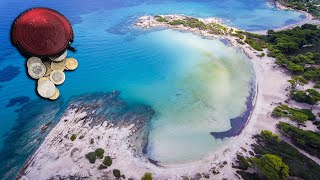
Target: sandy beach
x,y
58,156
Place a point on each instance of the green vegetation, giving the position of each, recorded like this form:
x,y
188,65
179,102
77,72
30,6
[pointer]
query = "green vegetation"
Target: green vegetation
x,y
272,167
310,96
311,6
306,140
297,80
212,28
99,153
298,115
243,163
254,40
102,166
276,159
147,176
117,174
239,35
91,156
269,136
160,19
107,161
296,50
190,22
299,165
73,137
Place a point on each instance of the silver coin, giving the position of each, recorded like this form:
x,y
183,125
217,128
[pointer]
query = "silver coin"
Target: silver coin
x,y
33,60
57,77
37,70
60,58
46,89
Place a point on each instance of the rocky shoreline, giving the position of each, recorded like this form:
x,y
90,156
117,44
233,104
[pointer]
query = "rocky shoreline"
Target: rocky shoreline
x,y
103,122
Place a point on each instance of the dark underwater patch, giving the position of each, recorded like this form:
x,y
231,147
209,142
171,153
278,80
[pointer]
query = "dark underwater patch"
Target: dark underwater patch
x,y
238,123
8,73
18,101
290,21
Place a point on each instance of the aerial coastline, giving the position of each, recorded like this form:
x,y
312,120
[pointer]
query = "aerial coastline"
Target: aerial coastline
x,y
59,149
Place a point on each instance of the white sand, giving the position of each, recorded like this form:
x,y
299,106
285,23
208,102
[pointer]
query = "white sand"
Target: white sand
x,y
54,155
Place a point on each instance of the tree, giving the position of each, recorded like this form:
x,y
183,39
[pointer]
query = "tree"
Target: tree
x,y
295,68
99,153
270,31
91,156
73,137
147,176
272,167
107,161
116,173
269,136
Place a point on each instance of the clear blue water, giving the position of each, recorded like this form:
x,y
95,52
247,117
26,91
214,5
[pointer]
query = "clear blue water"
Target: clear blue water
x,y
188,81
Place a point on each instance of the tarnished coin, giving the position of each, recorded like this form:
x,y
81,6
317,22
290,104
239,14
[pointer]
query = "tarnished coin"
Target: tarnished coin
x,y
33,60
37,70
71,63
58,65
60,58
56,95
43,79
57,77
46,89
48,68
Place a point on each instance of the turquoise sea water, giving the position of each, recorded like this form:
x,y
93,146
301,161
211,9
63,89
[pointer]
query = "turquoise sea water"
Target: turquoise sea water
x,y
194,85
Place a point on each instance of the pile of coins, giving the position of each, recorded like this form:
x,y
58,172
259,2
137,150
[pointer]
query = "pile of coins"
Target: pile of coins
x,y
49,73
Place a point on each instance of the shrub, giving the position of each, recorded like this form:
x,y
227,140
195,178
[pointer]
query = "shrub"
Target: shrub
x,y
147,176
116,173
176,22
91,156
310,96
307,140
243,162
99,153
73,137
300,165
299,115
101,166
272,166
107,161
269,136
160,19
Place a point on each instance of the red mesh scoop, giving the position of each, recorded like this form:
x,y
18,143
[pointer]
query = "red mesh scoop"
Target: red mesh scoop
x,y
42,32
